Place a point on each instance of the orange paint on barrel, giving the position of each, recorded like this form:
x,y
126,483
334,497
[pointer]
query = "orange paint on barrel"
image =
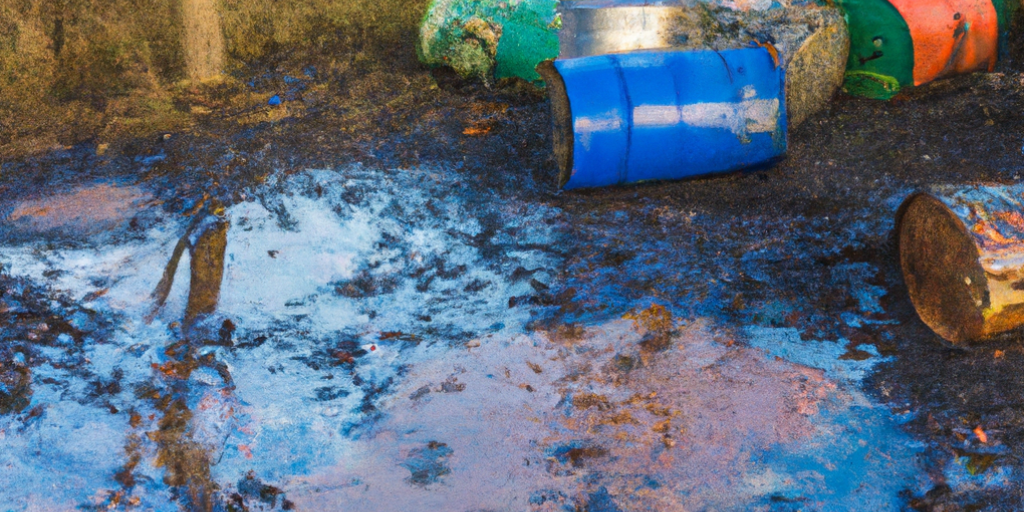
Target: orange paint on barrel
x,y
950,36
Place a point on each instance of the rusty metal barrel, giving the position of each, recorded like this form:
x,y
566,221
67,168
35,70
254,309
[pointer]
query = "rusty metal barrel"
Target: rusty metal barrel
x,y
962,255
810,41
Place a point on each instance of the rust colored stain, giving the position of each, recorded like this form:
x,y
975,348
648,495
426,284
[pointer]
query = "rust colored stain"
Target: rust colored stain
x,y
989,233
982,436
475,130
774,52
950,36
653,319
91,209
1012,218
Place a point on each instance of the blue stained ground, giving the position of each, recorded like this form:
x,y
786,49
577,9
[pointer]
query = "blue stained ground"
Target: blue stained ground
x,y
344,283
858,462
336,258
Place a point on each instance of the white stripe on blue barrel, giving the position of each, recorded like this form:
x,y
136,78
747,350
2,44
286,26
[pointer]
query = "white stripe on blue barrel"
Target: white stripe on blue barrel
x,y
656,115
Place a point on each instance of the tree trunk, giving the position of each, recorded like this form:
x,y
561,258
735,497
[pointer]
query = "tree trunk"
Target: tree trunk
x,y
203,39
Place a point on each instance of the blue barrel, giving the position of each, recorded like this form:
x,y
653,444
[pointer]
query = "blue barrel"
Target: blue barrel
x,y
659,115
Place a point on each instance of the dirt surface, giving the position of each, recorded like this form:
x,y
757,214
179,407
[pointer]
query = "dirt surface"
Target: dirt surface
x,y
805,245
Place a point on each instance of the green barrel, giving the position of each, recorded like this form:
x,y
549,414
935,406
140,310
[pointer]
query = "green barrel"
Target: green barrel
x,y
490,38
881,51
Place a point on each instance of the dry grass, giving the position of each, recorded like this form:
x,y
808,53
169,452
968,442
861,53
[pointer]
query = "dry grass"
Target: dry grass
x,y
73,71
203,39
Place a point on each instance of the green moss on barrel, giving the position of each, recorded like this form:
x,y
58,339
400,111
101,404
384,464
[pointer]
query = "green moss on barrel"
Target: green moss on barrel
x,y
490,39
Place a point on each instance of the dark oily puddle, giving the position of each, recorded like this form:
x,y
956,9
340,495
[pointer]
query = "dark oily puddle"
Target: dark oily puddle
x,y
380,331
333,283
412,339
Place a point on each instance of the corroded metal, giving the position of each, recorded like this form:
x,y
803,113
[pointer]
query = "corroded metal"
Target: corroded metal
x,y
962,254
596,30
490,39
809,41
907,43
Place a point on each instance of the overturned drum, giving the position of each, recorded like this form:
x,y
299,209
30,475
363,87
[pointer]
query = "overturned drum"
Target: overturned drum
x,y
962,255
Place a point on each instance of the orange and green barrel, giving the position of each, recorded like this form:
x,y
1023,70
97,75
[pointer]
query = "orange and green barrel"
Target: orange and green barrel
x,y
896,44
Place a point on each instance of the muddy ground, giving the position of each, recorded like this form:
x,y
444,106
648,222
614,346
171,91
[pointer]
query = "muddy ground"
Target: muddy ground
x,y
802,247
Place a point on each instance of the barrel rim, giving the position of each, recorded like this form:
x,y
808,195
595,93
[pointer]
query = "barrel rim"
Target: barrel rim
x,y
563,138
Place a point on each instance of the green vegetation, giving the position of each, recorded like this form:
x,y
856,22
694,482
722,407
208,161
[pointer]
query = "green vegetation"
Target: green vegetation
x,y
870,85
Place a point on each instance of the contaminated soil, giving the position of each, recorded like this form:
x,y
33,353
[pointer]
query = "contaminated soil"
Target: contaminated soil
x,y
805,245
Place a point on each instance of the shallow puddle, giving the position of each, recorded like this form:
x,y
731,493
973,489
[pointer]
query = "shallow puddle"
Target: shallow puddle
x,y
371,344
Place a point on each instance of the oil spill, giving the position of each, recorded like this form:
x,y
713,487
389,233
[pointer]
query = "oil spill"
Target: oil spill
x,y
252,489
681,428
351,223
17,390
43,327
